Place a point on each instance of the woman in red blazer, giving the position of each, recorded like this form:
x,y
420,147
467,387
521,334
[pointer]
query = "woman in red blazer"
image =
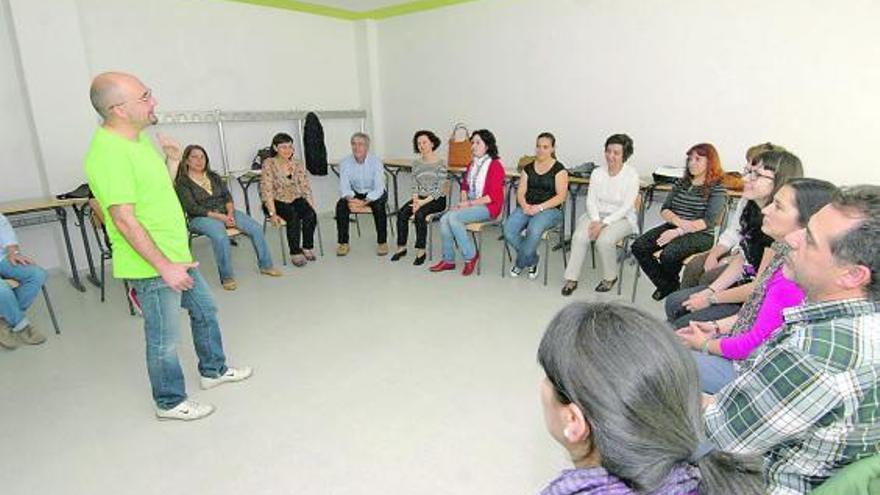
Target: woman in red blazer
x,y
482,196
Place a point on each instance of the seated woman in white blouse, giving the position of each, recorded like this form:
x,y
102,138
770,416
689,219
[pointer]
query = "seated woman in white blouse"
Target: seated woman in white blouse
x,y
610,215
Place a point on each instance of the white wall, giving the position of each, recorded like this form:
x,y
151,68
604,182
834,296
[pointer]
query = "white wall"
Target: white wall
x,y
194,54
21,160
670,74
206,54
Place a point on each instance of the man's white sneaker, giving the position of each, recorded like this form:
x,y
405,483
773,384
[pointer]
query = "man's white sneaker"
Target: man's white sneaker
x,y
187,410
231,375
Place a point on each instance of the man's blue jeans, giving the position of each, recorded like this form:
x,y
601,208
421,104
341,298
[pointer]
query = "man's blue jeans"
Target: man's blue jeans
x,y
535,226
161,306
14,302
453,228
715,371
216,231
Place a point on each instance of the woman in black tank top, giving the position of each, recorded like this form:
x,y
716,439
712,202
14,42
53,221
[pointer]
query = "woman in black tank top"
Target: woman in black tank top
x,y
543,187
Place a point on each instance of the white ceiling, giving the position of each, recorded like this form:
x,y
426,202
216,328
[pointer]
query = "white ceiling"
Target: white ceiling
x,y
358,5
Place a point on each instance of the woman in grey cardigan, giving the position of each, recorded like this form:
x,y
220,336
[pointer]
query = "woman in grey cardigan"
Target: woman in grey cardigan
x,y
430,185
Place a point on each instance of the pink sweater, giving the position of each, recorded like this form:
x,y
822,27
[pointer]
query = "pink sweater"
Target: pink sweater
x,y
494,187
781,293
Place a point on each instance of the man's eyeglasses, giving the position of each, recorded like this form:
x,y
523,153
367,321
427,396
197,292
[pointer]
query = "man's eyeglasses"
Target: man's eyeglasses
x,y
144,98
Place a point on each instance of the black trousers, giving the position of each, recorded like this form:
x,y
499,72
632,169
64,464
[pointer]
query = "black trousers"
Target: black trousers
x,y
300,218
664,272
406,211
380,218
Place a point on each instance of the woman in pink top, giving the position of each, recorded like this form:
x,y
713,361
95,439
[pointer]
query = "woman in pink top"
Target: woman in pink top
x,y
718,344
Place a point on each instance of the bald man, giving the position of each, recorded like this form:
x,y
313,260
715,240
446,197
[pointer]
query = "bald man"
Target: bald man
x,y
150,243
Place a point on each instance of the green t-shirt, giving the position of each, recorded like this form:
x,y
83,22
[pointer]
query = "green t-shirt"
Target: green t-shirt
x,y
120,171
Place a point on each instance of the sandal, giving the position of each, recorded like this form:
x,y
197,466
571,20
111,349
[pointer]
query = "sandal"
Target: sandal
x,y
606,285
569,287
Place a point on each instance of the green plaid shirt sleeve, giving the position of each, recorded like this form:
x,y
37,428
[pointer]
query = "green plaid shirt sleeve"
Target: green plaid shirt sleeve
x,y
780,397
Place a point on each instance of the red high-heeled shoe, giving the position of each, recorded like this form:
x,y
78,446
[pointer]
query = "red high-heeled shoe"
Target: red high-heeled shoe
x,y
470,265
442,266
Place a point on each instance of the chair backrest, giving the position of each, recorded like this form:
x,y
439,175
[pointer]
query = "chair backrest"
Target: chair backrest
x,y
523,161
96,218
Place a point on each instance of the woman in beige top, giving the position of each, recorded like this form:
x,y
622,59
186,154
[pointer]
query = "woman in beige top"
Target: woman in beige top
x,y
287,196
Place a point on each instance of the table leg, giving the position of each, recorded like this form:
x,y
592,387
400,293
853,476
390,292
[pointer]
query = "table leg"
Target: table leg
x,y
80,212
74,279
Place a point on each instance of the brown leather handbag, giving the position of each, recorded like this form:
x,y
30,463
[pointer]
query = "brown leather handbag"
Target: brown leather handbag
x,y
459,147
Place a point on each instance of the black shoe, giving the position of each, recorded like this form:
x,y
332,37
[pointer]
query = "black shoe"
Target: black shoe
x,y
398,255
420,260
606,285
661,294
569,287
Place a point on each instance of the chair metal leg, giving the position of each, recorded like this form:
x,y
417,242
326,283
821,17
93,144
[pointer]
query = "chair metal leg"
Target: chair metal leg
x,y
281,243
546,258
103,277
320,239
636,282
51,311
357,224
127,290
504,254
431,240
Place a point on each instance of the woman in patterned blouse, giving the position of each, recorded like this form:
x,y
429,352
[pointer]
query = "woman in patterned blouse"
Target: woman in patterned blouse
x,y
287,196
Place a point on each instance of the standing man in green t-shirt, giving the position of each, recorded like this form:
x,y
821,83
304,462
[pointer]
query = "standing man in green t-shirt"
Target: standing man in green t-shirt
x,y
150,243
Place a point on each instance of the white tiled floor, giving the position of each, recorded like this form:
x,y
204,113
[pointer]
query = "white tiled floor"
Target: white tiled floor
x,y
371,377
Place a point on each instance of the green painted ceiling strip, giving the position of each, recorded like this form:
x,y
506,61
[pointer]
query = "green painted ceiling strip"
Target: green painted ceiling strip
x,y
410,8
351,15
309,8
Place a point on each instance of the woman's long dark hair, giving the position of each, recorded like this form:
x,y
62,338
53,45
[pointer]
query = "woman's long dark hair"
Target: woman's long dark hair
x,y
183,167
638,388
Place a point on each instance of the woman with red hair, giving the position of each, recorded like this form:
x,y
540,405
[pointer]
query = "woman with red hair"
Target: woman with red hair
x,y
689,213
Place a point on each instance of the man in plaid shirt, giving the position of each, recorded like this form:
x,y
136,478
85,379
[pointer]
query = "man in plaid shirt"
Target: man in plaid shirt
x,y
808,400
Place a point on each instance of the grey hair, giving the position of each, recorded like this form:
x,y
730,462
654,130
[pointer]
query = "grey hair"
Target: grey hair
x,y
861,244
361,135
639,389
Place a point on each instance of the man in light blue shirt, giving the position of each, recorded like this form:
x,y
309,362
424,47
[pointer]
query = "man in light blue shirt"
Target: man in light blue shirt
x,y
15,328
362,187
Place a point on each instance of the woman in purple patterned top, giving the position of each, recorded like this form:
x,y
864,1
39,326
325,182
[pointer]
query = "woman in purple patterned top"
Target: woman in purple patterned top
x,y
622,397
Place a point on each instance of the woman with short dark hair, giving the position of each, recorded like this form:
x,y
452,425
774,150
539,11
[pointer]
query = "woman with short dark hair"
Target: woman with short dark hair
x,y
623,398
287,195
610,214
430,186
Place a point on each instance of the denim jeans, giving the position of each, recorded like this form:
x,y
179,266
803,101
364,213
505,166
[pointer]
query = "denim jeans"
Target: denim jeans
x,y
161,306
453,228
14,302
715,371
535,225
216,231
